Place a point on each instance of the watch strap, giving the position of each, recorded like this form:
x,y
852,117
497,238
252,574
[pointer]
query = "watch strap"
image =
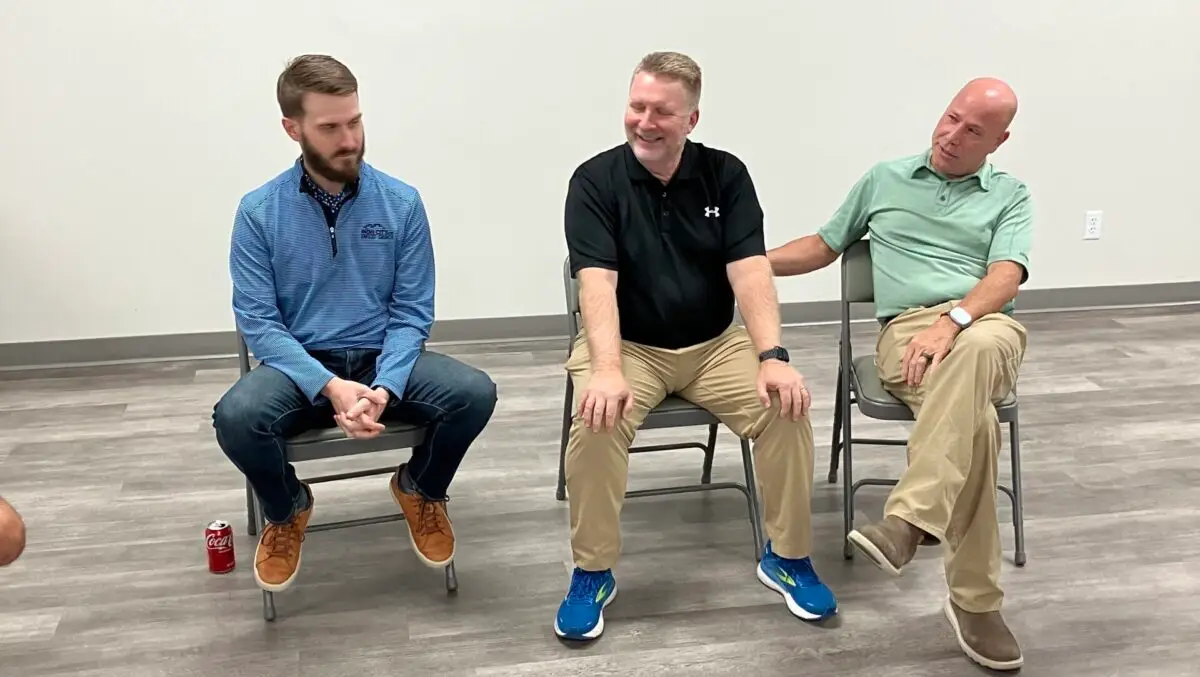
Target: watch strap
x,y
776,353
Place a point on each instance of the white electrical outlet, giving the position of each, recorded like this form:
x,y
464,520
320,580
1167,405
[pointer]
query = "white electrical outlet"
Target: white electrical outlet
x,y
1091,225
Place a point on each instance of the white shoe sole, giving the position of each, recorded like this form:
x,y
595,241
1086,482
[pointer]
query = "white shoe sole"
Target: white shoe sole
x,y
866,547
971,653
796,609
594,632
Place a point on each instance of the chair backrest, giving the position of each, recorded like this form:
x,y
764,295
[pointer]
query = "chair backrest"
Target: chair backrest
x,y
571,286
858,285
243,354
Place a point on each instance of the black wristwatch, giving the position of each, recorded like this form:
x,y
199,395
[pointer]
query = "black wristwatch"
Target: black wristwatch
x,y
777,353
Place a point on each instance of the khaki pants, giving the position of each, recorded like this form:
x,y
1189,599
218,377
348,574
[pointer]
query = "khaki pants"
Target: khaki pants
x,y
949,487
719,375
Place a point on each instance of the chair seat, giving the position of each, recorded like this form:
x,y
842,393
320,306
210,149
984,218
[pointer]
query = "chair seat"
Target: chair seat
x,y
331,442
676,412
876,402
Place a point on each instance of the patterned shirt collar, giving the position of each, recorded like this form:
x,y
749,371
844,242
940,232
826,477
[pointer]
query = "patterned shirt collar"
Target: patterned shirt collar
x,y
327,200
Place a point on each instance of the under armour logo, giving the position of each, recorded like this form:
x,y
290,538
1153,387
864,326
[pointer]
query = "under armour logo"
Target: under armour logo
x,y
712,211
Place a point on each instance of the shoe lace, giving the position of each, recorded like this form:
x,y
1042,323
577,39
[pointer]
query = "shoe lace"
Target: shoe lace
x,y
584,586
433,518
801,570
281,540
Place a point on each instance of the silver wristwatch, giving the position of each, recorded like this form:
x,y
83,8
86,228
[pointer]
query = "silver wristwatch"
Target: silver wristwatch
x,y
958,315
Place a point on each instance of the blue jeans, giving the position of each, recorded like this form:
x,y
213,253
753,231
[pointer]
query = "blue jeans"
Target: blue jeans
x,y
265,407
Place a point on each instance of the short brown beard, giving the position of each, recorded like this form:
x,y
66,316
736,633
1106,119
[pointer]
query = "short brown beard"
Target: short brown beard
x,y
319,164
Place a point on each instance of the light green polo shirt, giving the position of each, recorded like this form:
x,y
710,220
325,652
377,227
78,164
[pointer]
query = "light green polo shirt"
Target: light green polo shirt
x,y
932,238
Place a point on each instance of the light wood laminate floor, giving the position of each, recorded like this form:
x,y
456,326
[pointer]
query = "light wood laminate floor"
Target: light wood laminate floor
x,y
116,472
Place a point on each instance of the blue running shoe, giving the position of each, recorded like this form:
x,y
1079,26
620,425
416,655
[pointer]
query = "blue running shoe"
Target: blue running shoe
x,y
806,596
581,614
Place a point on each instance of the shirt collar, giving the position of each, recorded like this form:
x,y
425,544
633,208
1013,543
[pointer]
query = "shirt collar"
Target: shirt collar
x,y
983,175
311,187
686,169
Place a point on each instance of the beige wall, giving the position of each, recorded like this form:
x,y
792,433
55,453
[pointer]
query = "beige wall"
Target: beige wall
x,y
127,125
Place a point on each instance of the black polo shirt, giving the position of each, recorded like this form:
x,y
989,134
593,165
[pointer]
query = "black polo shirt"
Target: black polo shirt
x,y
668,243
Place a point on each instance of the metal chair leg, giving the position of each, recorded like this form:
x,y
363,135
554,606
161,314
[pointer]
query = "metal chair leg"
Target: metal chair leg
x,y
268,606
709,450
847,472
268,597
1018,498
752,499
835,446
251,522
561,492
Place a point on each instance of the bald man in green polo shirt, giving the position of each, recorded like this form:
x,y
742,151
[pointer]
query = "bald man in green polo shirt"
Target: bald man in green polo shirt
x,y
950,238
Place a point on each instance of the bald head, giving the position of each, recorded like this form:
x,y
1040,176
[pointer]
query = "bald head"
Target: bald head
x,y
973,126
12,534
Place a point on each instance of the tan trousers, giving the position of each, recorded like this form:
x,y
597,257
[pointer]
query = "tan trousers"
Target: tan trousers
x,y
719,375
949,487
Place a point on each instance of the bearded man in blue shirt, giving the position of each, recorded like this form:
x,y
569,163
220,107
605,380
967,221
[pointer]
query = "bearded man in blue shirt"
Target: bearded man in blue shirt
x,y
333,291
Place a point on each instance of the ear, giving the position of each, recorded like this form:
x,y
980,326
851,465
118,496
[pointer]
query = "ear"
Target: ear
x,y
292,127
693,120
1003,138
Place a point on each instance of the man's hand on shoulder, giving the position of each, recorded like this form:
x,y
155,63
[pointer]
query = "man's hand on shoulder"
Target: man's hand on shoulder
x,y
605,399
783,379
356,407
927,349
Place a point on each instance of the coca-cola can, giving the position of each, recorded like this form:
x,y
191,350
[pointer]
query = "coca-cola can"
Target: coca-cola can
x,y
218,540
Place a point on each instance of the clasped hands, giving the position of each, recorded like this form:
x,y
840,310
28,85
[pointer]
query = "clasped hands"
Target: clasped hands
x,y
607,396
356,407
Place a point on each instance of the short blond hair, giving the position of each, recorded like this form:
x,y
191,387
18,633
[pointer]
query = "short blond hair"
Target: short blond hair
x,y
676,66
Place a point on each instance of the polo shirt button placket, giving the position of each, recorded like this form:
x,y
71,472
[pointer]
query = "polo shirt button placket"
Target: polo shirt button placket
x,y
943,191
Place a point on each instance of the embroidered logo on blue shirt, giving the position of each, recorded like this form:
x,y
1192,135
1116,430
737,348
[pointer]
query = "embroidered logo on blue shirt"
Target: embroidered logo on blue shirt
x,y
376,231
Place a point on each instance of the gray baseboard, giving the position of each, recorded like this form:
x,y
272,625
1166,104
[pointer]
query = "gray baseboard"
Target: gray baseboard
x,y
222,343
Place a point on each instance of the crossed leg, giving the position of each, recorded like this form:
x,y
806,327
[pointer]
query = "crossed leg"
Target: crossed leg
x,y
948,491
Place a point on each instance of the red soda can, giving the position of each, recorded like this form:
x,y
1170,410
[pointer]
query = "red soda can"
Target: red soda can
x,y
218,540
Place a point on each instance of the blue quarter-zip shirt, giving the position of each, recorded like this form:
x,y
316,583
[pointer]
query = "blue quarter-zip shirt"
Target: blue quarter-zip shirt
x,y
301,284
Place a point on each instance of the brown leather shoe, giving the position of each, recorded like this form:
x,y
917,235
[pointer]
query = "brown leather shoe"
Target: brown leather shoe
x,y
429,528
890,543
985,638
277,558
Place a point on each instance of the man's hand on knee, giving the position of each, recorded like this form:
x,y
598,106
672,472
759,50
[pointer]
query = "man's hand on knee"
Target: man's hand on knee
x,y
604,400
783,379
926,351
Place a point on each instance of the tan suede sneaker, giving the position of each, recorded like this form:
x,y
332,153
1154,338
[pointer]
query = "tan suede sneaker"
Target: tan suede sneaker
x,y
429,528
890,543
985,638
277,558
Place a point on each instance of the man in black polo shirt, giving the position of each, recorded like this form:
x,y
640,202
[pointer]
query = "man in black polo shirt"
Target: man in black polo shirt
x,y
664,236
